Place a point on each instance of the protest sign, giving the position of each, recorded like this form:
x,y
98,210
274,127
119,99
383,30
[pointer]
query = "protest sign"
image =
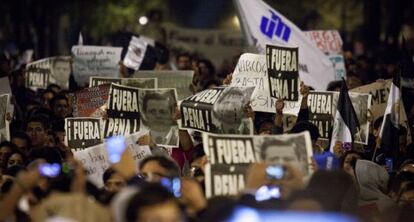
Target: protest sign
x,y
323,104
283,71
91,102
251,70
321,111
379,91
95,159
52,70
136,52
157,108
218,110
5,85
37,78
264,25
82,132
95,61
4,123
330,42
230,156
123,111
216,44
181,80
150,83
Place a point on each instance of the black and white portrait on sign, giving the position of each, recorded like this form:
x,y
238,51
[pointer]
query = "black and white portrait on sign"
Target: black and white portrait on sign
x,y
60,71
229,111
157,112
4,125
292,149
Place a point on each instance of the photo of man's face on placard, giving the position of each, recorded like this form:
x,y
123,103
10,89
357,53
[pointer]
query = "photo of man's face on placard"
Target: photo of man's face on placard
x,y
279,151
229,111
157,111
60,72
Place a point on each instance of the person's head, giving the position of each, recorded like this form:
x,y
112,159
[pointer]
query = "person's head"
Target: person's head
x,y
348,161
113,181
60,106
334,86
6,148
153,202
265,127
58,127
61,70
49,154
206,69
335,190
55,88
16,158
22,141
36,129
279,152
311,128
229,108
47,96
158,109
303,201
353,80
153,168
184,61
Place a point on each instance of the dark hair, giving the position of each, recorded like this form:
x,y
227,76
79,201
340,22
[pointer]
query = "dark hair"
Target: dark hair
x,y
149,195
58,125
108,174
209,82
8,144
40,119
57,98
197,152
183,54
24,136
378,122
335,190
50,154
333,85
16,151
50,86
209,66
13,171
49,91
167,163
343,157
306,126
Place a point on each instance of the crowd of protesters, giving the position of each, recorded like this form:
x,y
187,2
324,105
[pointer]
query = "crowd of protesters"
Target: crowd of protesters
x,y
356,186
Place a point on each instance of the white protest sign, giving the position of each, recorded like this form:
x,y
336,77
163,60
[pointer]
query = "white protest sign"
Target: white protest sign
x,y
95,61
136,52
264,25
251,70
95,159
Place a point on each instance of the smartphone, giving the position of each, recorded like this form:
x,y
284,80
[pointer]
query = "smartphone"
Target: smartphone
x,y
49,170
267,192
275,172
115,146
173,185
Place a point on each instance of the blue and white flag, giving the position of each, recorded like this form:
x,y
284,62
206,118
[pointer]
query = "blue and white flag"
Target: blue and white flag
x,y
263,25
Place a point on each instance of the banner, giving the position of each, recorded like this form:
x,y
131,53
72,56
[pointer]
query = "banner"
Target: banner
x,y
4,123
322,108
136,52
230,156
218,110
82,132
216,44
330,42
59,69
251,70
180,80
123,111
5,85
150,83
91,102
95,61
263,25
379,92
157,110
95,159
282,66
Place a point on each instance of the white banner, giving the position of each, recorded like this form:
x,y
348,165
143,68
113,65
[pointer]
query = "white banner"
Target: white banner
x,y
251,70
263,25
95,61
95,159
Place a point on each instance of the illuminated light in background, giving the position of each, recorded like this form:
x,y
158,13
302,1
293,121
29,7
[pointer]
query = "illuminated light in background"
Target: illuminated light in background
x,y
143,20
